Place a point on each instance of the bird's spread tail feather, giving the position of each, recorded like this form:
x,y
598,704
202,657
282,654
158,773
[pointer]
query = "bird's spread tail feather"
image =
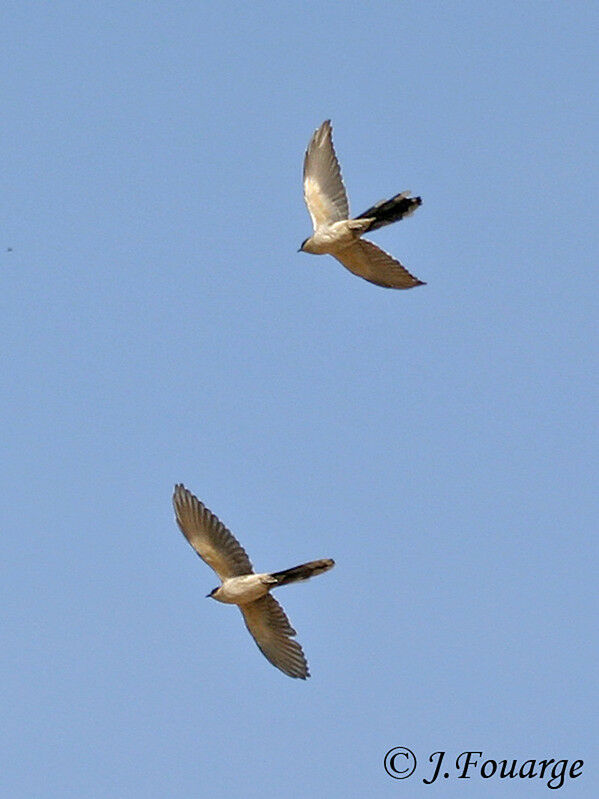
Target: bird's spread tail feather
x,y
387,211
303,572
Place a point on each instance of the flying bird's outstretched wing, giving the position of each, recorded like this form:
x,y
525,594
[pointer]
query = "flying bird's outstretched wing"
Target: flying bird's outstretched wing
x,y
216,545
271,630
366,260
324,191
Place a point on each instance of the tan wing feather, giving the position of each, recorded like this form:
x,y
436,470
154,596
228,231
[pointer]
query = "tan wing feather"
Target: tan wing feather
x,y
366,260
271,630
324,192
216,545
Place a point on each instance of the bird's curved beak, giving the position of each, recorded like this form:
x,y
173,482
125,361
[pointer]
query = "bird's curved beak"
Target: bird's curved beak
x,y
208,595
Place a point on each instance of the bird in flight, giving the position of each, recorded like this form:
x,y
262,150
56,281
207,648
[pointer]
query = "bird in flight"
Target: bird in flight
x,y
263,616
335,233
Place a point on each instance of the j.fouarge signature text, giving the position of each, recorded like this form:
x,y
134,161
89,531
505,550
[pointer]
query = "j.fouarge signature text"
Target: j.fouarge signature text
x,y
469,764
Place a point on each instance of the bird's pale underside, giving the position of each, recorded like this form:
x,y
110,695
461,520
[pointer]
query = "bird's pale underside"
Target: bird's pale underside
x,y
263,616
335,233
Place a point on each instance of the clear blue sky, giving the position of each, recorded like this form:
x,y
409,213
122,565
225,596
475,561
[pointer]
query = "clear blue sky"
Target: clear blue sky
x,y
441,444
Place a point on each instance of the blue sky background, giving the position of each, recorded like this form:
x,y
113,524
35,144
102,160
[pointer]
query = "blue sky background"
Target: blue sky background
x,y
159,326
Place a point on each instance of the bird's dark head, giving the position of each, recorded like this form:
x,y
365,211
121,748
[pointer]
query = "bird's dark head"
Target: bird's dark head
x,y
302,245
212,593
